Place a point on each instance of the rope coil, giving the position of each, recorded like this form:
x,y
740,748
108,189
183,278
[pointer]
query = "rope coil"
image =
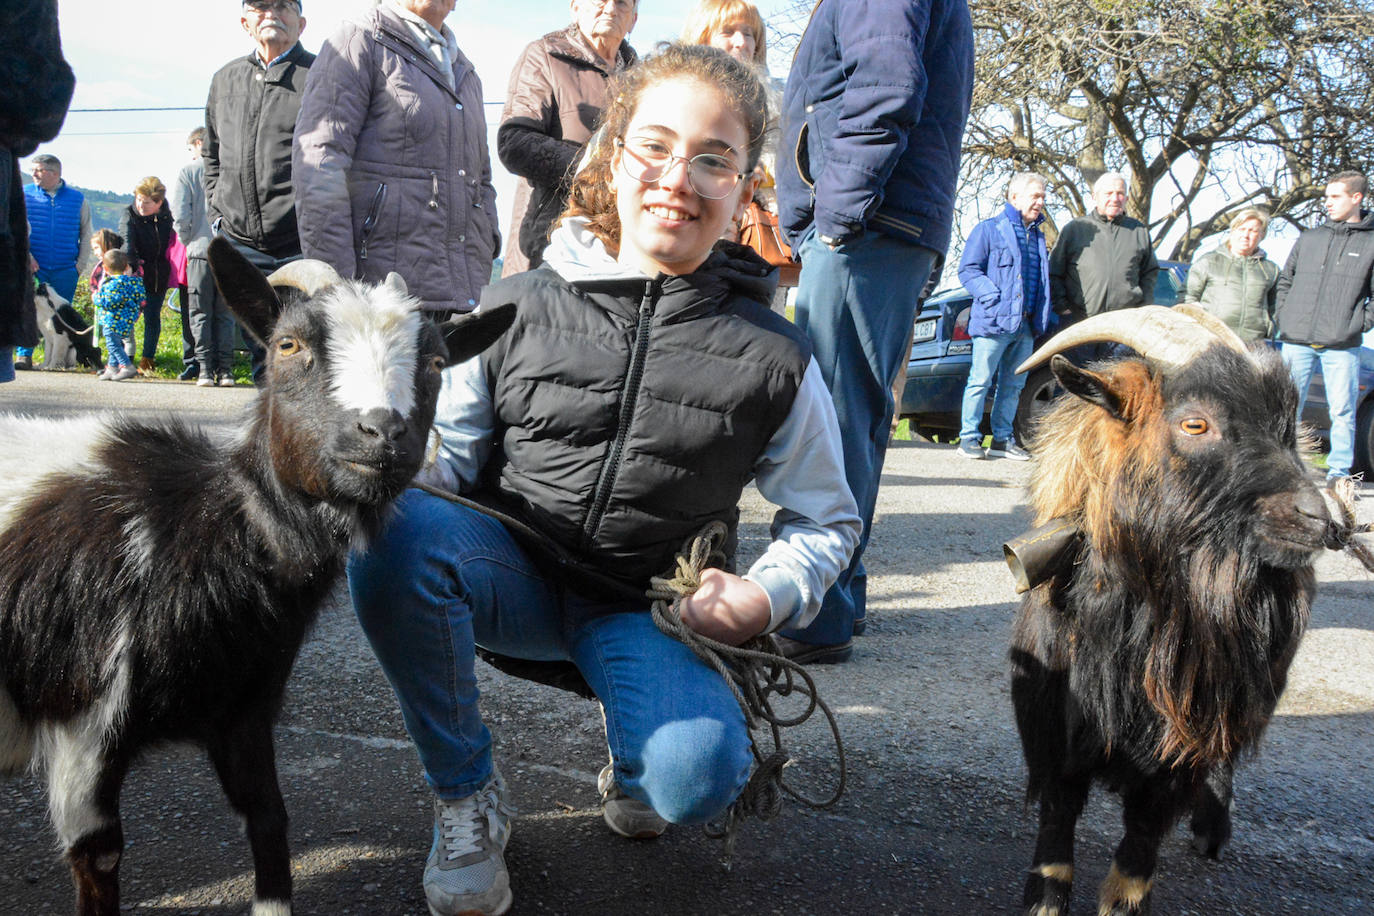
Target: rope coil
x,y
755,672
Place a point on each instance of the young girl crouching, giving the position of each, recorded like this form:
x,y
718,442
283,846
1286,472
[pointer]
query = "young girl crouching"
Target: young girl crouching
x,y
644,384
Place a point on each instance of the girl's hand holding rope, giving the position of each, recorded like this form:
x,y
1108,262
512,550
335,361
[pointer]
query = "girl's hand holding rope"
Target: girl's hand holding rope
x,y
726,608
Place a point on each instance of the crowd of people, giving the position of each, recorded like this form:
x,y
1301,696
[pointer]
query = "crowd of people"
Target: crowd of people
x,y
1317,307
648,377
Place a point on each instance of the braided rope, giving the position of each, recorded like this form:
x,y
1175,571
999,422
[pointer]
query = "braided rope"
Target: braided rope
x,y
1341,533
755,672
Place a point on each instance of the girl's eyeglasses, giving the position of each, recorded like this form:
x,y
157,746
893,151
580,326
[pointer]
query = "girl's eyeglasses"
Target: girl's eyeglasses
x,y
647,160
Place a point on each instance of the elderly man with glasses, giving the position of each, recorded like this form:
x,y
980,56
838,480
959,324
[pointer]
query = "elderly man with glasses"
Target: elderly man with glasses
x,y
250,116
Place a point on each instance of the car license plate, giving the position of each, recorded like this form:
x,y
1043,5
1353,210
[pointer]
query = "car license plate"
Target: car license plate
x,y
925,330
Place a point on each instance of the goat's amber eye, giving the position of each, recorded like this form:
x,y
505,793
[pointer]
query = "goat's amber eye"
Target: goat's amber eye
x,y
437,364
1194,426
288,346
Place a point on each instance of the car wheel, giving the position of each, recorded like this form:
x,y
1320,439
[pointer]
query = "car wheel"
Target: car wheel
x,y
1041,390
1364,439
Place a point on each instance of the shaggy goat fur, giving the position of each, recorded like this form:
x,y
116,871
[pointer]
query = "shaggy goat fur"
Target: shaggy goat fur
x,y
155,585
1155,654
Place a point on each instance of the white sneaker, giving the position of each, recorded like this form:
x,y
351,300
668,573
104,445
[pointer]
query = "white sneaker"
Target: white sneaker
x,y
124,372
466,872
205,381
625,815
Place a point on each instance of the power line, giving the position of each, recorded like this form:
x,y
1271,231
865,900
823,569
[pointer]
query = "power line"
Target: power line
x,y
102,110
189,108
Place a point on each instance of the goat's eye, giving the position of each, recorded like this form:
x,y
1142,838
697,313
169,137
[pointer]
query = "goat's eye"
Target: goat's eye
x,y
437,364
1194,426
288,346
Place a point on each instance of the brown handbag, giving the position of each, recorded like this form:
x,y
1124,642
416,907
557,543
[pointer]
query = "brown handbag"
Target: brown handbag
x,y
758,229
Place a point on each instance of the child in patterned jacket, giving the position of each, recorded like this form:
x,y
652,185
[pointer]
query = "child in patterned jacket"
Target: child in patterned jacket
x,y
118,302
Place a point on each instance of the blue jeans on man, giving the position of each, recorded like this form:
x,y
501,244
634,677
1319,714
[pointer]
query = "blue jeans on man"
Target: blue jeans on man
x,y
1341,377
857,303
995,358
442,578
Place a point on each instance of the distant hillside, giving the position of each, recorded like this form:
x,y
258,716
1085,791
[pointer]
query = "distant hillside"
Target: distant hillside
x,y
105,205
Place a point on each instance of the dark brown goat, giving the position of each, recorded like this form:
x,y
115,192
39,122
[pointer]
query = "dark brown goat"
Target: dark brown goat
x,y
1155,651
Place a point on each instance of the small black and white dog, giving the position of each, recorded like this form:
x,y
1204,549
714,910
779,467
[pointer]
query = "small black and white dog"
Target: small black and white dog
x,y
68,340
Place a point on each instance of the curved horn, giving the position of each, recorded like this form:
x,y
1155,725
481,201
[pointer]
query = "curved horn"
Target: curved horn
x,y
308,276
1168,337
1214,324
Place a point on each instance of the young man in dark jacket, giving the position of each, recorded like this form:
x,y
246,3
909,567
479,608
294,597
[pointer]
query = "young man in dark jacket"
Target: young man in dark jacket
x,y
250,116
1325,304
872,123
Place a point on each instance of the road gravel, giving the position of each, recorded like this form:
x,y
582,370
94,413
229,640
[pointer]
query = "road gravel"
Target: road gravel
x,y
933,819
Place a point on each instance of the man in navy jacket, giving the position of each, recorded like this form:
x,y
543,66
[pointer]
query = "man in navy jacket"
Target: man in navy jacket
x,y
872,123
1005,268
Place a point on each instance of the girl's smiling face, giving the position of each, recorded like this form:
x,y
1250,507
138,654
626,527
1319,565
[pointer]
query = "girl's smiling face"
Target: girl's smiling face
x,y
665,225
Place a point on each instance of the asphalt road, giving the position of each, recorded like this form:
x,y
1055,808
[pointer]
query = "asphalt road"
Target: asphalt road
x,y
932,822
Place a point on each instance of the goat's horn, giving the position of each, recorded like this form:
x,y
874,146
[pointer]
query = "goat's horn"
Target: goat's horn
x,y
1214,324
1168,337
308,276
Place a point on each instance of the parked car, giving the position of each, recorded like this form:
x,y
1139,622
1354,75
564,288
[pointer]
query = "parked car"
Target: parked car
x,y
942,350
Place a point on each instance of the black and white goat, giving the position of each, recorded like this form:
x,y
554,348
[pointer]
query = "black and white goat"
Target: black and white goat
x,y
68,339
155,586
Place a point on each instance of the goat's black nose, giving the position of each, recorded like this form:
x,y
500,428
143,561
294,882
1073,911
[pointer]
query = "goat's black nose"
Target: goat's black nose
x,y
380,423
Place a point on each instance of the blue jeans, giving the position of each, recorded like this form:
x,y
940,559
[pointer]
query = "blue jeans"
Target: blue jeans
x,y
442,578
63,282
115,343
995,358
1341,375
858,304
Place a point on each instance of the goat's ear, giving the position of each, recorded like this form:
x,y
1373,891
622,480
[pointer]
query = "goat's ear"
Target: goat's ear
x,y
1090,386
470,334
244,288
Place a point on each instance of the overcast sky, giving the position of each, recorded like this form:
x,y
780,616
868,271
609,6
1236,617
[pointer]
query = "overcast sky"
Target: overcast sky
x,y
162,53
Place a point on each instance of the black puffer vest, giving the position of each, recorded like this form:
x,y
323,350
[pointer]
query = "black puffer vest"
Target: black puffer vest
x,y
629,413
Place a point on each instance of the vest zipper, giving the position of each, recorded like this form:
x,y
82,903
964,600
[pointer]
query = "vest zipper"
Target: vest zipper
x,y
629,396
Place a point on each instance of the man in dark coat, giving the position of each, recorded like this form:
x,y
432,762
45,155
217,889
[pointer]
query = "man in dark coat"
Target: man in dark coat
x,y
250,116
36,86
872,124
1102,261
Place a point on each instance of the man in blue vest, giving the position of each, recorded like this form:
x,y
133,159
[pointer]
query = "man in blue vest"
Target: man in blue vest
x,y
59,227
872,126
1005,268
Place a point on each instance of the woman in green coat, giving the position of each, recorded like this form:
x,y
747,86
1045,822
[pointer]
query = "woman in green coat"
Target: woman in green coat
x,y
1236,282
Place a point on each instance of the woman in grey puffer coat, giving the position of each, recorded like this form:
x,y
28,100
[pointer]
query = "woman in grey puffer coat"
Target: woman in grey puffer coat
x,y
1236,282
391,165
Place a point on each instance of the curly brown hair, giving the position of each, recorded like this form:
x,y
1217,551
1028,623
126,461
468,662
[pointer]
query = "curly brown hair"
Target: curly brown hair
x,y
592,195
